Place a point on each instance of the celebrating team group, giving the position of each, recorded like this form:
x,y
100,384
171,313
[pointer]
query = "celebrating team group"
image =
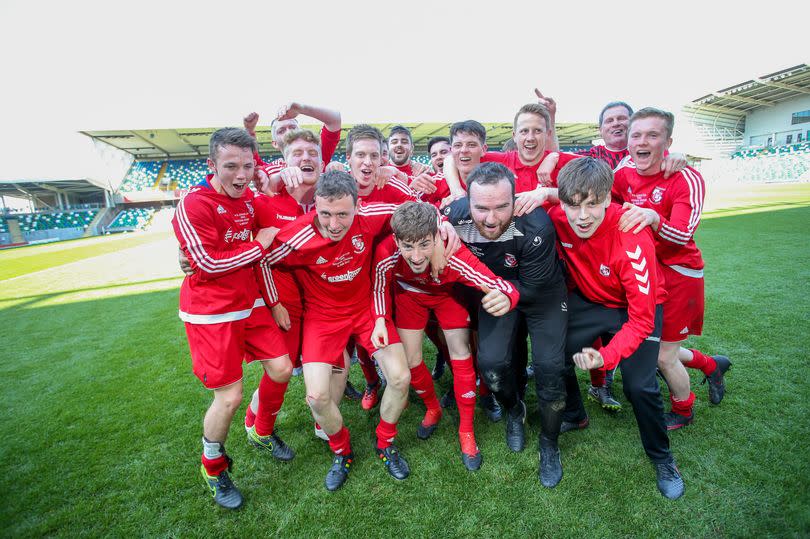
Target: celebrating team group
x,y
301,262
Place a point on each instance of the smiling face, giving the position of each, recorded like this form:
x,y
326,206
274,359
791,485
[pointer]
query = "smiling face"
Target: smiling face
x,y
335,216
306,156
613,130
586,215
233,170
417,253
467,151
364,161
492,207
438,152
530,137
400,148
648,143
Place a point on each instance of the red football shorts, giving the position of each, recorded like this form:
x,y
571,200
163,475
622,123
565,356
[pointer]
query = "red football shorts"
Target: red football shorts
x,y
327,334
294,336
683,308
413,309
217,350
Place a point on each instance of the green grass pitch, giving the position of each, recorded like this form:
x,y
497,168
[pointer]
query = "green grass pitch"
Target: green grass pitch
x,y
101,417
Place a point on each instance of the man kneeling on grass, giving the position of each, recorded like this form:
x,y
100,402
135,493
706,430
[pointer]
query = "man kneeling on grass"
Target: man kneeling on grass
x,y
406,258
617,291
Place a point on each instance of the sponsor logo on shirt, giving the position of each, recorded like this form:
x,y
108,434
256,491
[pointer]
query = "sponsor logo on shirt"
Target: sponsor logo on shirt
x,y
464,222
566,245
242,235
477,251
285,217
221,210
604,270
358,243
510,261
657,194
348,276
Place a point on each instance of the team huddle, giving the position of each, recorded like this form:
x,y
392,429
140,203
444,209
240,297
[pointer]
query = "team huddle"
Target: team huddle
x,y
590,258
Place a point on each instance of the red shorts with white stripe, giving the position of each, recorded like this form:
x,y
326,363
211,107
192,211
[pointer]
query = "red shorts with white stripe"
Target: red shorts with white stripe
x,y
683,308
217,350
413,309
325,336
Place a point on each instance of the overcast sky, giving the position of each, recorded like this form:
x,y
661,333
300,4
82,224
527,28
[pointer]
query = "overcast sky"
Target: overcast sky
x,y
82,65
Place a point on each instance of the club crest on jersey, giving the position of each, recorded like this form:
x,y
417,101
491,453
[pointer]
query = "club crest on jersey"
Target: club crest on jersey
x,y
510,261
221,210
657,194
447,210
358,243
537,241
604,270
249,207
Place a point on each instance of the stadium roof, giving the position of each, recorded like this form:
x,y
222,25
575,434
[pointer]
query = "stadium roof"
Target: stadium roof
x,y
720,116
193,142
40,188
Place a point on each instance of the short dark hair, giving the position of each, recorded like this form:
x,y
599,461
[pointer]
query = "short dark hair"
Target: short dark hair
x,y
471,127
436,140
534,108
583,177
230,136
362,132
610,106
336,184
400,129
652,112
491,174
413,221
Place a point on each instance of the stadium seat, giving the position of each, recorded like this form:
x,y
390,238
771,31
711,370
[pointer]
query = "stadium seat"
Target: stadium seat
x,y
142,176
61,219
131,219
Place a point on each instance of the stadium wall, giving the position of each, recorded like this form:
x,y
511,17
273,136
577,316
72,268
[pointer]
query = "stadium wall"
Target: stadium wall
x,y
774,123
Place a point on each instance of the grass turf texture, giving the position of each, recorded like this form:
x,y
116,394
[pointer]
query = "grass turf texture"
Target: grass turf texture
x,y
102,423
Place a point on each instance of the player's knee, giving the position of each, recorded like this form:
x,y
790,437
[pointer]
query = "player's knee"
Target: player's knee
x,y
400,380
284,372
231,400
318,400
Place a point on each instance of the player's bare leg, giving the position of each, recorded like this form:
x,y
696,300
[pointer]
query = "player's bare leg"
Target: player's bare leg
x,y
394,365
677,379
421,380
458,345
218,418
272,387
318,379
215,462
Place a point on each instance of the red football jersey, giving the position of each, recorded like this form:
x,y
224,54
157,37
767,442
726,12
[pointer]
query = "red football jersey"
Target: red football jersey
x,y
329,143
335,276
214,231
677,199
280,211
525,176
393,192
463,267
615,269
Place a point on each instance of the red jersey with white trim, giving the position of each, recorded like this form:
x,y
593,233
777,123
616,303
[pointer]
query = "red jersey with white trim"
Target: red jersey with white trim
x,y
394,191
463,267
335,276
329,143
442,190
214,231
280,211
526,176
615,269
602,152
407,168
677,199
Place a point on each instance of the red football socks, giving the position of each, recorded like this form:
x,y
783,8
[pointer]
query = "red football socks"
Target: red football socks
x,y
422,383
701,361
250,417
597,377
215,466
464,390
386,432
683,407
367,364
271,397
340,442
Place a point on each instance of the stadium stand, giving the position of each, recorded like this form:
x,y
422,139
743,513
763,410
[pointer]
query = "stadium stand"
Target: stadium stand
x,y
142,176
3,226
185,172
51,220
131,219
761,165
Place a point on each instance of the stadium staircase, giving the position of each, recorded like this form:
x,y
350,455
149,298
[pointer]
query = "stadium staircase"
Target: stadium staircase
x,y
14,230
102,218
